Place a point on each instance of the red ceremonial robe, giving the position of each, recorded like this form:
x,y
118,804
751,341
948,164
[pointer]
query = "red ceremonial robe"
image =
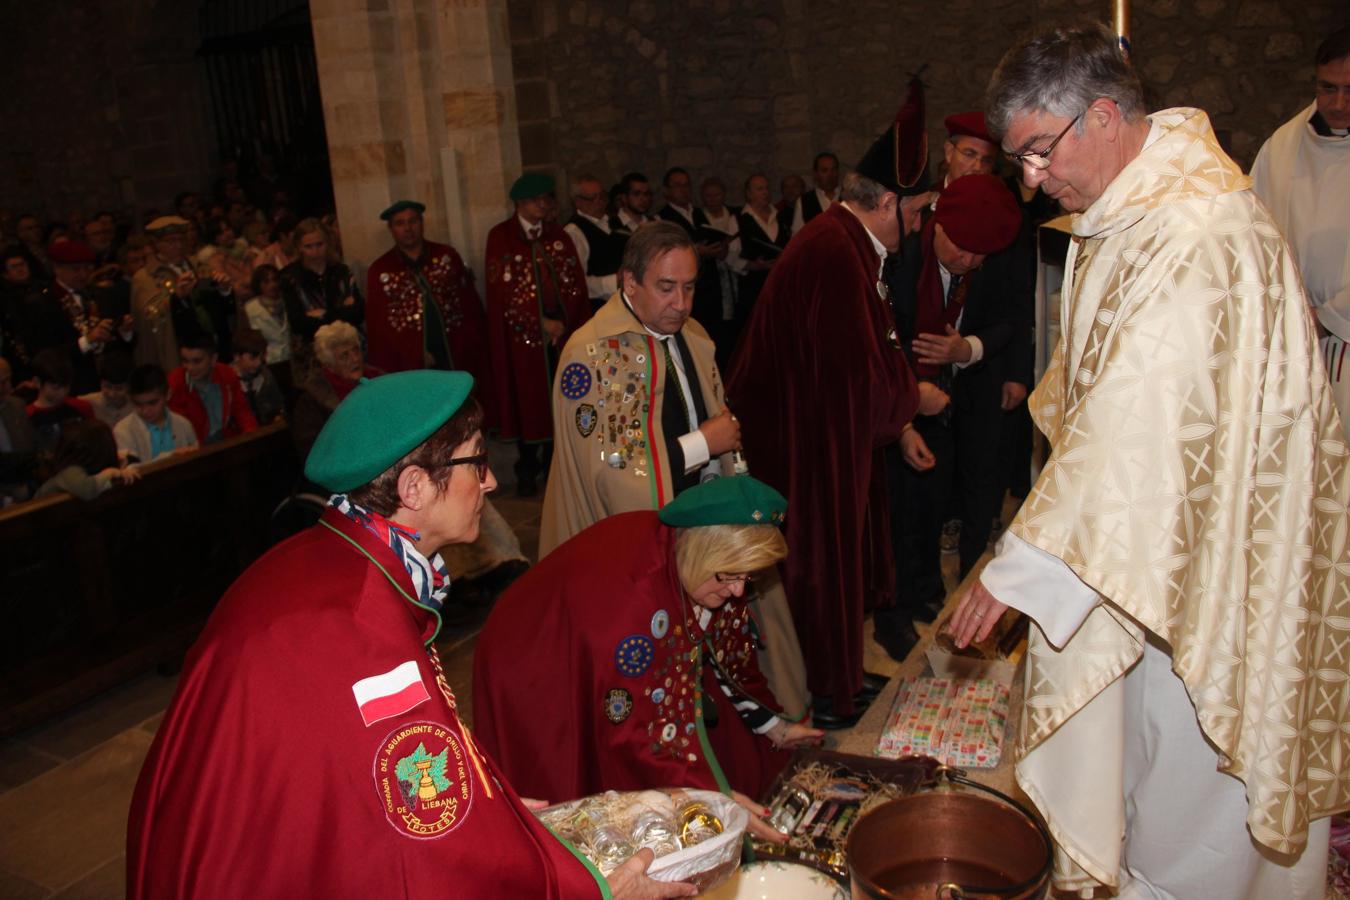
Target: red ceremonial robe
x,y
821,385
395,326
526,281
267,779
591,671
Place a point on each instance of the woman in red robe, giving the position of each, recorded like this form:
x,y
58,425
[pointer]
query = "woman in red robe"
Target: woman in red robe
x,y
626,659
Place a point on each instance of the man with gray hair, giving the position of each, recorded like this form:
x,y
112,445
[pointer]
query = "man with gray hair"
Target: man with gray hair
x,y
822,385
1183,551
1302,174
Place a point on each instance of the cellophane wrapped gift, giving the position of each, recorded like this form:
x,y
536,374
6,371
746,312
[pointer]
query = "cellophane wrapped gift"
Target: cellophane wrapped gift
x,y
959,721
695,835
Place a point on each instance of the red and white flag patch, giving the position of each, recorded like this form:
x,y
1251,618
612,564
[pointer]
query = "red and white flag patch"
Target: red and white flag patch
x,y
395,692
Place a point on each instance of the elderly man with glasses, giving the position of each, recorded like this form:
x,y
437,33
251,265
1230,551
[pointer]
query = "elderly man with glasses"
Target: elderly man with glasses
x,y
1183,551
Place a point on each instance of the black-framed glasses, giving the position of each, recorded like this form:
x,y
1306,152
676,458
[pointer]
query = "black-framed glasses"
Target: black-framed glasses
x,y
1040,159
727,578
480,460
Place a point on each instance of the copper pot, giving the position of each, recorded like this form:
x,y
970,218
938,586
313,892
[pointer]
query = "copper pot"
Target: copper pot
x,y
949,844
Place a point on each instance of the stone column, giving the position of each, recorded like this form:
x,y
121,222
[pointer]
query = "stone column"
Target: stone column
x,y
419,103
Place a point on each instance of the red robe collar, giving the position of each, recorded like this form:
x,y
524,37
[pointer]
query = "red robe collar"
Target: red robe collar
x,y
355,539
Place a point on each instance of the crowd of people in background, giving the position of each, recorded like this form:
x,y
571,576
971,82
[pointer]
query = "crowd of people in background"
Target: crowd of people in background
x,y
236,310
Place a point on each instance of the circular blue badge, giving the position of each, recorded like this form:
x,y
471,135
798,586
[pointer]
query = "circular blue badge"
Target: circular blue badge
x,y
575,381
660,623
658,695
633,655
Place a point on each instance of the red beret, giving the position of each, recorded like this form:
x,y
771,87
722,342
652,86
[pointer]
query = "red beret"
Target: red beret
x,y
70,253
970,124
979,214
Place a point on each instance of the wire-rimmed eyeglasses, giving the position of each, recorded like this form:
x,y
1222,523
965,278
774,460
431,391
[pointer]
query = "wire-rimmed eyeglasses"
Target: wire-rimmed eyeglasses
x,y
1040,159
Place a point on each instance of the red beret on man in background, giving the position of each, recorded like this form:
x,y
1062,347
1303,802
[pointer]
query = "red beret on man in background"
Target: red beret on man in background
x,y
978,213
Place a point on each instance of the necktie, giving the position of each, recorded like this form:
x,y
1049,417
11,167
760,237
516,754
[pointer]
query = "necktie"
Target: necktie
x,y
674,388
954,291
535,232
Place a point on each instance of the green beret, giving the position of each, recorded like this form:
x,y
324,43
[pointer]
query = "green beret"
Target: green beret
x,y
380,421
531,185
400,206
735,500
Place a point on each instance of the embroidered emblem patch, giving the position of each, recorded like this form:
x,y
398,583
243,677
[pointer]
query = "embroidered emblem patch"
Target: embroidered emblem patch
x,y
586,419
633,655
422,779
660,623
618,705
576,381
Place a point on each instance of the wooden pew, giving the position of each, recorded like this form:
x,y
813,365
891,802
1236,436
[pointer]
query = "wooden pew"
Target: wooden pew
x,y
94,593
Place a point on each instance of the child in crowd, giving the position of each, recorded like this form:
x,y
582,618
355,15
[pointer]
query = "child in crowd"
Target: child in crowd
x,y
267,313
208,393
154,430
86,462
54,406
261,388
110,402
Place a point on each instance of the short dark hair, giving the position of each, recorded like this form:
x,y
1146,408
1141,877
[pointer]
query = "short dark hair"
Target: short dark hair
x,y
381,494
652,241
214,227
1335,47
87,443
133,243
249,340
11,252
198,339
672,171
114,366
626,182
51,366
147,378
815,163
255,281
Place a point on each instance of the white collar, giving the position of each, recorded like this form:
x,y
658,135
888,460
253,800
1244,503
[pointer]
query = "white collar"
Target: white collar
x,y
526,226
876,244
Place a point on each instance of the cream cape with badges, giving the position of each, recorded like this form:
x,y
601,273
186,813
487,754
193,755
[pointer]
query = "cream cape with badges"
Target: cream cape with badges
x,y
609,454
1199,483
594,428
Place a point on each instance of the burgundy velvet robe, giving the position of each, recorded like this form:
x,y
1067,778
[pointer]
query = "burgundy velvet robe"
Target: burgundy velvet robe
x,y
821,385
265,780
394,313
583,679
525,281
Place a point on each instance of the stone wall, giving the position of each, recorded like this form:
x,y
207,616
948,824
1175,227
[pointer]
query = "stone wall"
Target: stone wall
x,y
731,87
104,105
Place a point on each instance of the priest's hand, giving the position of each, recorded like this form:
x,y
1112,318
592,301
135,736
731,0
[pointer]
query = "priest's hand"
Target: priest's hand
x,y
722,432
787,735
759,827
630,882
532,804
914,450
1014,392
942,349
976,615
932,399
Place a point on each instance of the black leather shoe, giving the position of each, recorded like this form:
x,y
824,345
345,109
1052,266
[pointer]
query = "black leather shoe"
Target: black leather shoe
x,y
831,722
898,642
873,684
